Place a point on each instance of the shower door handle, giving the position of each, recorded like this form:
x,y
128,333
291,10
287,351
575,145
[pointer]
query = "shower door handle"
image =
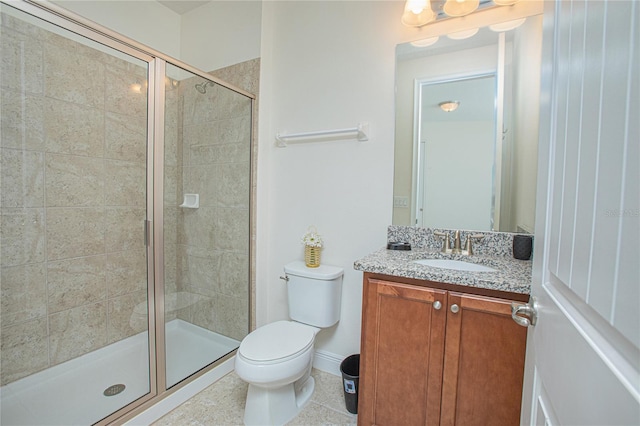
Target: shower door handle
x,y
147,233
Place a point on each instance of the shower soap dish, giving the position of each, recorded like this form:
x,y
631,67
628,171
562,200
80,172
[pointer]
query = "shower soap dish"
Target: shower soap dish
x,y
191,201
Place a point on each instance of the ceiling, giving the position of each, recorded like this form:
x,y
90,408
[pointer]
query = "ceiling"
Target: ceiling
x,y
182,6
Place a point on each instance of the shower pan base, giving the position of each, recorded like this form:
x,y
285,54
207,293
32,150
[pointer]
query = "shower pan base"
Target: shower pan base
x,y
72,392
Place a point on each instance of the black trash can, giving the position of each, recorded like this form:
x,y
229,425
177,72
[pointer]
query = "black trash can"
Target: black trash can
x,y
350,369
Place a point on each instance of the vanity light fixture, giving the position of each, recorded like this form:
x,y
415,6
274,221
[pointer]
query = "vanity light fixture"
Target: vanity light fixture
x,y
449,106
418,13
457,8
507,26
425,42
461,35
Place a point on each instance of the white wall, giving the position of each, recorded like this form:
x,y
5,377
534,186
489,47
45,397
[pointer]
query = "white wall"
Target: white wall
x,y
221,33
526,119
147,22
210,37
325,65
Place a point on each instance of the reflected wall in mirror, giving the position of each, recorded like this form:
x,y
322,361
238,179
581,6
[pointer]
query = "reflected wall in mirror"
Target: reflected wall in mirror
x,y
473,168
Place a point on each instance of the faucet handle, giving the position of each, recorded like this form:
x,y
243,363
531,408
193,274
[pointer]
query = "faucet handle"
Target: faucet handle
x,y
469,245
445,241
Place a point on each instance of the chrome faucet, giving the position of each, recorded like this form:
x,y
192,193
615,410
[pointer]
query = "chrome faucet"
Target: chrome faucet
x,y
468,246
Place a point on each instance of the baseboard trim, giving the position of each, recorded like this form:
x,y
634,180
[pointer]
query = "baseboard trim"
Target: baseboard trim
x,y
327,362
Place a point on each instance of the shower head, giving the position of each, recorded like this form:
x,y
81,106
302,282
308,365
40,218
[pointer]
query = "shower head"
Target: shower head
x,y
202,87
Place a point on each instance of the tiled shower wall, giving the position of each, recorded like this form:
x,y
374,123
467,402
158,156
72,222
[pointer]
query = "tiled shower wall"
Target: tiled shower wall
x,y
73,148
213,241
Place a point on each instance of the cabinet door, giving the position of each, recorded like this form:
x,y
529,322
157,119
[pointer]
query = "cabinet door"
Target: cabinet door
x,y
402,350
483,364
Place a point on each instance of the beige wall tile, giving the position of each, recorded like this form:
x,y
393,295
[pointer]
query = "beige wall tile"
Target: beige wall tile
x,y
76,282
24,28
73,77
230,104
122,322
232,229
232,185
171,193
76,331
197,107
21,121
171,128
74,181
126,272
75,232
121,96
202,180
124,228
22,232
222,153
23,293
127,183
23,350
203,314
234,275
73,128
198,227
171,214
21,66
232,316
170,268
125,137
201,275
22,178
245,75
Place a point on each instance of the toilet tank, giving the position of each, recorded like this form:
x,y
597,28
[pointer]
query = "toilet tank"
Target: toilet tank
x,y
314,293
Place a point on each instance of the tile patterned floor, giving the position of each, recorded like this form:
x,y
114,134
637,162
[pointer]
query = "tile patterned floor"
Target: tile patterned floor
x,y
222,403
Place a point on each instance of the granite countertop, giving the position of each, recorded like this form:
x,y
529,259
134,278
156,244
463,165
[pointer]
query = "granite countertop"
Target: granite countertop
x,y
511,275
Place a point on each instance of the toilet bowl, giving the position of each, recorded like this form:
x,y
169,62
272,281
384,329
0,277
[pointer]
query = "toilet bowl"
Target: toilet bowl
x,y
276,359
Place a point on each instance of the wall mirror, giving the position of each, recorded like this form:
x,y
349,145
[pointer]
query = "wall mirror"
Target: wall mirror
x,y
473,167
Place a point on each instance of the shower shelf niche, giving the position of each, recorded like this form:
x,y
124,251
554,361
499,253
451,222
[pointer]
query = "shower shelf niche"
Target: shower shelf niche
x,y
191,201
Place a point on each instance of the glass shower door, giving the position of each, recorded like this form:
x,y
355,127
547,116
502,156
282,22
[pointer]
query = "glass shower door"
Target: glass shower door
x,y
207,171
74,292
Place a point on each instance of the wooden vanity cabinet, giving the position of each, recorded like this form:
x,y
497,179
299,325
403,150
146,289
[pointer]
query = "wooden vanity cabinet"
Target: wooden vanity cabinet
x,y
424,363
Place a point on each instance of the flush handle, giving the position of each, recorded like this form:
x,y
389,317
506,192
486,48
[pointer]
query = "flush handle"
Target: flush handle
x,y
284,278
525,315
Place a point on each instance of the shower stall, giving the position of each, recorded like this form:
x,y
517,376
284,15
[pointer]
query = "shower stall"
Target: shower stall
x,y
125,226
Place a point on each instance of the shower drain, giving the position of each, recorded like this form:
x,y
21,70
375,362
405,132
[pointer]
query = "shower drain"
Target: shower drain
x,y
114,390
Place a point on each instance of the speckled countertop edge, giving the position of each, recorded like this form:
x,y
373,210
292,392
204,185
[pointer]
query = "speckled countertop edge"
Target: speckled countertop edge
x,y
511,275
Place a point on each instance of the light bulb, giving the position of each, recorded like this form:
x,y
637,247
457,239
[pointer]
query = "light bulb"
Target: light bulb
x,y
417,13
416,6
460,7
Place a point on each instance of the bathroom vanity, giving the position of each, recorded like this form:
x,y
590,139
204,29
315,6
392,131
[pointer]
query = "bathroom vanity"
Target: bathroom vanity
x,y
439,345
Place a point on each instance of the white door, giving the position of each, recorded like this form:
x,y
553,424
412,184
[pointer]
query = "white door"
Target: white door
x,y
583,357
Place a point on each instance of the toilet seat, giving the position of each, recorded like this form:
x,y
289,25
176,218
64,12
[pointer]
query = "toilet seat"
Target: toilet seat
x,y
276,342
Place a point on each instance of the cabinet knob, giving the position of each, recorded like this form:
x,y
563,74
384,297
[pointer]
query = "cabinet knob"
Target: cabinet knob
x,y
437,305
455,308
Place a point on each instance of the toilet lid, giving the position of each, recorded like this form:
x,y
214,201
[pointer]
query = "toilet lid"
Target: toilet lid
x,y
277,340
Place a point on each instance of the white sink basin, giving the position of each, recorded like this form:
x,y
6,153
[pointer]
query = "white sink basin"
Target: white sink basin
x,y
457,265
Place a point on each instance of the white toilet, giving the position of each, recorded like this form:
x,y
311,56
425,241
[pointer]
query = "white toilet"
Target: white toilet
x,y
276,359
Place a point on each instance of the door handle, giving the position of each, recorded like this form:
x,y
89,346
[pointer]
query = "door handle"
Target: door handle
x,y
525,315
